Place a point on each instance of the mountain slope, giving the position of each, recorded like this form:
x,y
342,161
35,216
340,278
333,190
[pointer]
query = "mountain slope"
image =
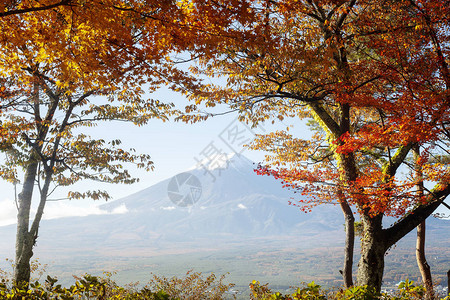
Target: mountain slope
x,y
234,203
233,210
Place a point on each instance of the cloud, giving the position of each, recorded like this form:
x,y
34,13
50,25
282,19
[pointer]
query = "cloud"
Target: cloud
x,y
168,207
8,212
241,206
121,209
55,210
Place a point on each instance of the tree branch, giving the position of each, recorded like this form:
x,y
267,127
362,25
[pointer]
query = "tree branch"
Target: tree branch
x,y
415,217
34,9
325,117
393,164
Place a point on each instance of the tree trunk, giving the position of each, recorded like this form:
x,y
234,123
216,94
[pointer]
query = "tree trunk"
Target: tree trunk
x,y
371,264
448,282
347,272
24,241
424,268
377,240
420,242
22,269
348,166
26,234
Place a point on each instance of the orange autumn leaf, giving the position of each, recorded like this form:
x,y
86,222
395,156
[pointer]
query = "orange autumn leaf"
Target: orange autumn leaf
x,y
371,77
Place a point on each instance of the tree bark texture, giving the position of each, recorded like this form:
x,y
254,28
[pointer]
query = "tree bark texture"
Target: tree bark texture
x,y
422,263
448,282
371,263
347,271
24,241
348,166
349,249
27,234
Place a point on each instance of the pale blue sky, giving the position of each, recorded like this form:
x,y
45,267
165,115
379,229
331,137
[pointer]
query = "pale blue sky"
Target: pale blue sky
x,y
174,147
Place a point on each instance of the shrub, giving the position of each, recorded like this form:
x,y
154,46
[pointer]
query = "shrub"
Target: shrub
x,y
407,291
192,287
359,293
312,291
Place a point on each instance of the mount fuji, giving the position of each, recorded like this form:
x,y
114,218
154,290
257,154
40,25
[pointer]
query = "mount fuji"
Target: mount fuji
x,y
219,202
219,205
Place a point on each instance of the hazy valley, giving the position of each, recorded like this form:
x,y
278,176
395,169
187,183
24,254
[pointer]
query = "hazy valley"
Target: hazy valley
x,y
240,224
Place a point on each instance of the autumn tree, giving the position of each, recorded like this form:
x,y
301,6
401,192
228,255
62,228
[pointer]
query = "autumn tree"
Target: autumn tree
x,y
14,7
68,68
373,76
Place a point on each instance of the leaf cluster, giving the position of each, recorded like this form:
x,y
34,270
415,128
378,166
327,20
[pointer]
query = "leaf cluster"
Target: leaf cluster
x,y
407,290
194,286
372,75
71,66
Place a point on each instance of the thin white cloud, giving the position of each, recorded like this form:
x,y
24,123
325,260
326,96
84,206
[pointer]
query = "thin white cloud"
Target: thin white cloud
x,y
121,209
168,207
241,206
55,210
8,212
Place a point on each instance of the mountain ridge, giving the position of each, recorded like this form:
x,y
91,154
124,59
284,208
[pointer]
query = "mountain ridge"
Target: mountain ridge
x,y
236,209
